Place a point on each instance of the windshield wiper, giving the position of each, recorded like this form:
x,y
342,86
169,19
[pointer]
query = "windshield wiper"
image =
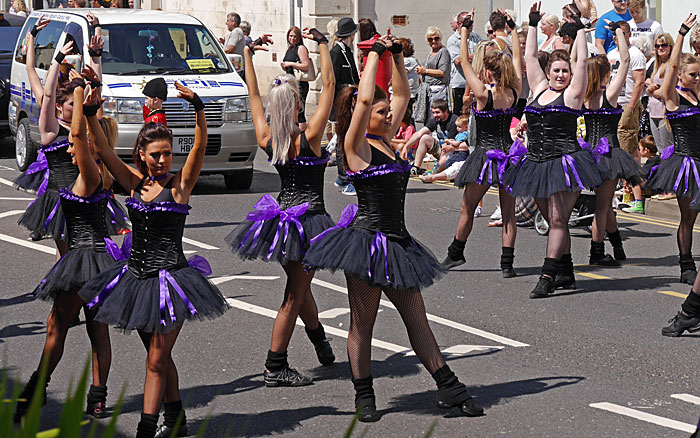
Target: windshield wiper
x,y
154,70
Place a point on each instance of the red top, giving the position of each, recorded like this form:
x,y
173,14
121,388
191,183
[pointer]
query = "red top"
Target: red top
x,y
155,116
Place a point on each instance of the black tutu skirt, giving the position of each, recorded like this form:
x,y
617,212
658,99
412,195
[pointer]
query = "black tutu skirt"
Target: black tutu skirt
x,y
404,264
135,303
618,163
72,271
675,174
45,216
116,218
543,179
473,170
271,244
29,181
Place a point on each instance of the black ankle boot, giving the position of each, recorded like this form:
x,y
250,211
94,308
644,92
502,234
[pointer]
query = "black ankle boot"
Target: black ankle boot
x,y
688,270
173,410
97,402
507,257
324,352
616,242
565,273
545,285
452,393
147,426
28,394
365,403
598,256
455,254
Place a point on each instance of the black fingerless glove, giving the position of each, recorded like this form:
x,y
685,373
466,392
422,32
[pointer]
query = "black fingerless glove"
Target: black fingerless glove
x,y
95,53
378,48
35,31
511,23
396,48
578,24
535,18
94,83
91,110
684,30
613,26
252,45
77,82
196,103
60,57
318,36
468,22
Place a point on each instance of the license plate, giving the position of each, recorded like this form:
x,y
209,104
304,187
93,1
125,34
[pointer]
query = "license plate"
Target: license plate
x,y
183,145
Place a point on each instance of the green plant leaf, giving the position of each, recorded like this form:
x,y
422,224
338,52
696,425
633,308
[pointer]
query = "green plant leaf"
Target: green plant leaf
x,y
73,408
111,428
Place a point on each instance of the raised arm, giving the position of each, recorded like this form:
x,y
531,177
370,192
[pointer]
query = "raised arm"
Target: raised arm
x,y
575,94
34,80
48,124
668,88
187,177
262,129
535,76
399,83
89,178
96,45
618,82
317,123
517,55
473,81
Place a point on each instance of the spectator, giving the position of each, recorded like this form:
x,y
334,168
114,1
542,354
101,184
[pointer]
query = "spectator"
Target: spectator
x,y
18,8
549,27
297,59
631,94
694,40
648,151
663,45
411,63
457,81
436,72
454,24
640,25
405,132
498,24
604,36
454,153
114,4
131,4
245,27
430,137
332,29
95,4
367,29
235,40
489,31
345,72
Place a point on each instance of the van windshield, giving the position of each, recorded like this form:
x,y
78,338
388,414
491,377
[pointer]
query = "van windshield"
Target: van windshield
x,y
133,49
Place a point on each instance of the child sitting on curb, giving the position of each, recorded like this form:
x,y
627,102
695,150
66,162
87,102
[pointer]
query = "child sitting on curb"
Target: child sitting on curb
x,y
452,155
648,151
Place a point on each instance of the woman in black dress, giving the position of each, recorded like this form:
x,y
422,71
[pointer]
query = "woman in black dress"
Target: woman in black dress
x,y
297,59
370,243
282,232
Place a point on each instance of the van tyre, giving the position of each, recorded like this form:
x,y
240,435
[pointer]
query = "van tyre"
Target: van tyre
x,y
25,148
240,180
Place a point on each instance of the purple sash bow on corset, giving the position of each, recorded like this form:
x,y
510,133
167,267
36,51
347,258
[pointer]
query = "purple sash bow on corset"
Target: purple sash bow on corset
x,y
568,162
688,162
378,244
668,151
346,218
517,150
267,208
602,148
40,165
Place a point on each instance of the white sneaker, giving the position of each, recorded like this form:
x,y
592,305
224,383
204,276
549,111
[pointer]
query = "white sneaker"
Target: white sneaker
x,y
477,212
496,216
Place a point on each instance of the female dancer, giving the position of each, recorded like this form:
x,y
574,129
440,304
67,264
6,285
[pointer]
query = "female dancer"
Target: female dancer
x,y
678,170
301,161
602,115
129,294
494,149
371,243
84,204
555,168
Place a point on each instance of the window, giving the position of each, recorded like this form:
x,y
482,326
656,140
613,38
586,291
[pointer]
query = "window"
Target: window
x,y
45,43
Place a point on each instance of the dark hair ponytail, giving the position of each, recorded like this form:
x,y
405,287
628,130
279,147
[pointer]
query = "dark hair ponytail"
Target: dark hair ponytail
x,y
344,107
149,133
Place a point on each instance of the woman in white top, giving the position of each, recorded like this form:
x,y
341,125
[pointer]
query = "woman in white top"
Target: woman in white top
x,y
549,27
663,46
18,8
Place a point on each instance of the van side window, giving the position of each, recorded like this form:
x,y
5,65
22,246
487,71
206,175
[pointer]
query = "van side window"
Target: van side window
x,y
45,42
21,49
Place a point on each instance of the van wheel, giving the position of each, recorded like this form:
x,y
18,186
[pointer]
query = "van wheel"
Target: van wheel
x,y
25,148
239,180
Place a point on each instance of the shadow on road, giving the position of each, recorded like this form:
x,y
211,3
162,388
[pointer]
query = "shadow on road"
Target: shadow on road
x,y
22,329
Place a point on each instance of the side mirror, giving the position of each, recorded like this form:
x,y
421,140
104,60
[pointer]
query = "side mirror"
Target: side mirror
x,y
236,61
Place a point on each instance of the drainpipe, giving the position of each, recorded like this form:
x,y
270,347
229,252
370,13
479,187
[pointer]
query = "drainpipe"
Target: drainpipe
x,y
356,17
291,13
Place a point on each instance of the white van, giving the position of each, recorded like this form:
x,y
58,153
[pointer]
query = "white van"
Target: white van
x,y
139,46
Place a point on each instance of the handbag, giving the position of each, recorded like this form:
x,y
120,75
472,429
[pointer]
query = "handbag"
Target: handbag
x,y
306,76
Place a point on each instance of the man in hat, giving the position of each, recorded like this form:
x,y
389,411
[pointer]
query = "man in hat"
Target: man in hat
x,y
346,74
156,92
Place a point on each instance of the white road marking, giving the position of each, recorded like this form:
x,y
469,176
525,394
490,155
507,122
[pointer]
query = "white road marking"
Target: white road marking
x,y
6,198
26,244
220,280
7,182
333,313
332,330
437,319
643,416
460,350
198,244
10,213
687,398
5,168
188,252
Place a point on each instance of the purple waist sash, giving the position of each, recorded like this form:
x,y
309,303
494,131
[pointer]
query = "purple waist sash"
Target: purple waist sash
x,y
40,165
346,218
517,150
267,208
602,148
668,151
568,162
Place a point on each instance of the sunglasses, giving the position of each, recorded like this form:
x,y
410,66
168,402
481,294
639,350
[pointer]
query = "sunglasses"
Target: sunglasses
x,y
659,46
490,32
431,39
620,1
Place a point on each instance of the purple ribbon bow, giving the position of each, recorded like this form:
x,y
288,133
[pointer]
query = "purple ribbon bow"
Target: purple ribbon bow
x,y
668,151
602,148
40,165
116,252
113,211
517,150
685,170
378,244
568,162
346,218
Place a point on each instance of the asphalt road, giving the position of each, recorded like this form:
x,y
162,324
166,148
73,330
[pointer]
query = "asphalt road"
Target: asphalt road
x,y
587,363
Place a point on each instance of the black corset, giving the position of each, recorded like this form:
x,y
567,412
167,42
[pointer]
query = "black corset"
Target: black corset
x,y
493,129
685,124
380,203
551,133
62,171
602,123
301,183
156,238
85,219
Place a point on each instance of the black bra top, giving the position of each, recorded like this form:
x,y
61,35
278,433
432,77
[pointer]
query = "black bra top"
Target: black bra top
x,y
685,124
551,129
302,178
603,123
381,192
85,218
493,125
157,228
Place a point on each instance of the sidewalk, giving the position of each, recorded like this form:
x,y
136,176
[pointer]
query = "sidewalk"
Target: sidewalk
x,y
662,209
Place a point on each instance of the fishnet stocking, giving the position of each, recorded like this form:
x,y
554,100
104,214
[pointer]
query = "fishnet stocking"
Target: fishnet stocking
x,y
364,303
